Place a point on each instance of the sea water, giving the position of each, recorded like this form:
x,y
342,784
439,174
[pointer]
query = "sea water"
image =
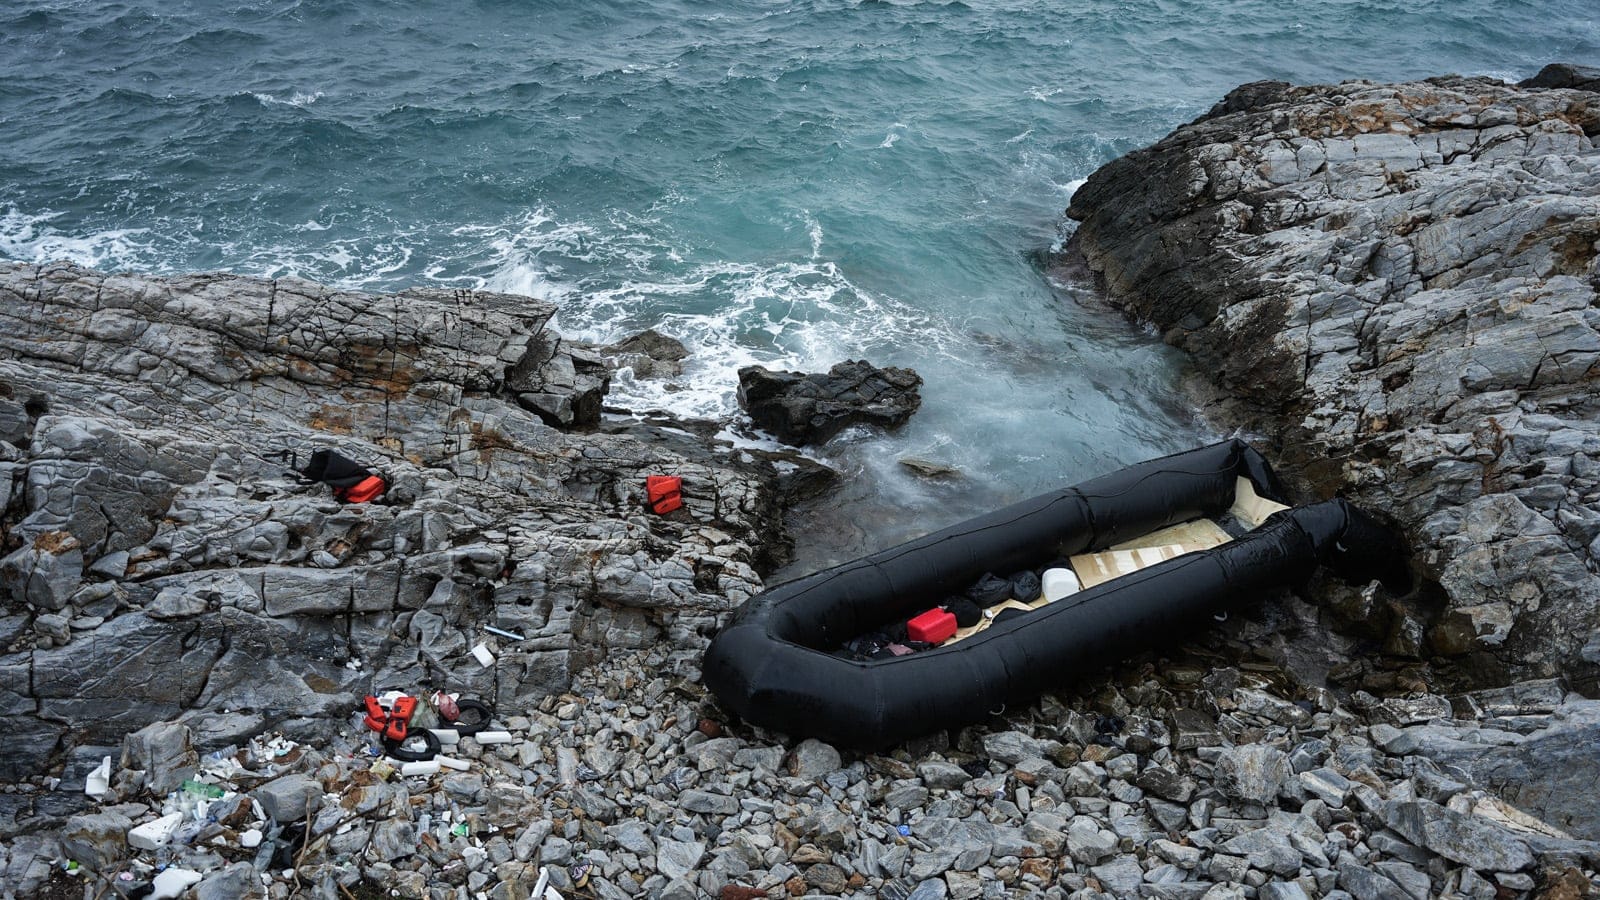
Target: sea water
x,y
783,183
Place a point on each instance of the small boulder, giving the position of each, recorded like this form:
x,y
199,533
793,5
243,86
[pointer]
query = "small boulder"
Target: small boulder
x,y
290,798
650,354
1566,75
813,759
1254,773
165,752
1469,840
96,840
44,572
800,408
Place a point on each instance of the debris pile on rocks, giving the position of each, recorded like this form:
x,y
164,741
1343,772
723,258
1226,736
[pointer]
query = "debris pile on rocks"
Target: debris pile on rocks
x,y
1175,781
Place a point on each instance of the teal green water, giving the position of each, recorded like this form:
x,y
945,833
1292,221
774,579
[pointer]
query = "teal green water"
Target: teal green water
x,y
789,183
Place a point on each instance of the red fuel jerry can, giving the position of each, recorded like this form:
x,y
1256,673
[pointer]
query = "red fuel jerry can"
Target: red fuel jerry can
x,y
933,626
664,493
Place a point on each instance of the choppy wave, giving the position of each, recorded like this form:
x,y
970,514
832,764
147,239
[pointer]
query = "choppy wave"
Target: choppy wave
x,y
782,184
298,98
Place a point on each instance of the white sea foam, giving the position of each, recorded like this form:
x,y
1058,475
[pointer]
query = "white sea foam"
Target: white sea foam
x,y
814,229
298,98
30,237
620,276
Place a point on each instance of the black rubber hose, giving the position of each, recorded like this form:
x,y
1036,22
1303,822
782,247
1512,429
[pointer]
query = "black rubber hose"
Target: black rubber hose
x,y
472,718
397,749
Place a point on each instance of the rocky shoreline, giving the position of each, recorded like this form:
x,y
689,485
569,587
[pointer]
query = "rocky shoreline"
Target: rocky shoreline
x,y
1399,284
179,602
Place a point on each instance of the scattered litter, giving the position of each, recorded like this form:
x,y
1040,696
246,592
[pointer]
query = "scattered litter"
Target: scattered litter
x,y
450,762
98,782
172,882
155,835
427,767
446,706
483,656
503,633
201,789
446,736
250,837
493,737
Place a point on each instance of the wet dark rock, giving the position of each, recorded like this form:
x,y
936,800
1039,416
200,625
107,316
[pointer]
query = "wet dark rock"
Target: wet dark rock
x,y
927,468
650,354
1565,75
800,408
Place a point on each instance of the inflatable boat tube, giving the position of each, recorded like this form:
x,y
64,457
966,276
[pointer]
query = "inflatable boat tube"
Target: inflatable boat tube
x,y
772,665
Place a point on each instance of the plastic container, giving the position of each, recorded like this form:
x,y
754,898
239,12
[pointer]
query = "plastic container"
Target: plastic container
x,y
934,626
1060,583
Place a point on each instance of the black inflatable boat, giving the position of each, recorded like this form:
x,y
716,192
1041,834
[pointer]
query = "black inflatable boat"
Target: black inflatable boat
x,y
773,666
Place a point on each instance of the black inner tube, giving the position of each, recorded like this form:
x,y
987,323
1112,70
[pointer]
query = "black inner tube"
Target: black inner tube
x,y
473,717
406,751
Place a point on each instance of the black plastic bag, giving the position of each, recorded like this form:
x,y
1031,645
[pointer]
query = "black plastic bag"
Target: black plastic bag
x,y
334,470
990,590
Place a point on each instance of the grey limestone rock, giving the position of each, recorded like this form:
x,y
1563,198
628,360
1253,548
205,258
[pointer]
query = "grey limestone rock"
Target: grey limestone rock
x,y
158,419
1121,877
937,773
676,859
649,354
706,802
164,752
1253,772
1468,840
812,758
1399,280
236,882
96,840
290,798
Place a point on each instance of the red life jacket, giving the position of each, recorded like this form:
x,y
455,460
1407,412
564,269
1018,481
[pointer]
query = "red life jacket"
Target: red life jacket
x,y
364,491
664,493
350,481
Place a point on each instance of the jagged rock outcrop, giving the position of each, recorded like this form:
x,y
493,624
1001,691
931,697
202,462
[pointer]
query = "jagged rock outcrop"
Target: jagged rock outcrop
x,y
800,408
1401,281
649,354
163,563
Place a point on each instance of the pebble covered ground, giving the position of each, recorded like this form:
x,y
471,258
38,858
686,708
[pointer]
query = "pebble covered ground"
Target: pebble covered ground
x,y
1169,780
